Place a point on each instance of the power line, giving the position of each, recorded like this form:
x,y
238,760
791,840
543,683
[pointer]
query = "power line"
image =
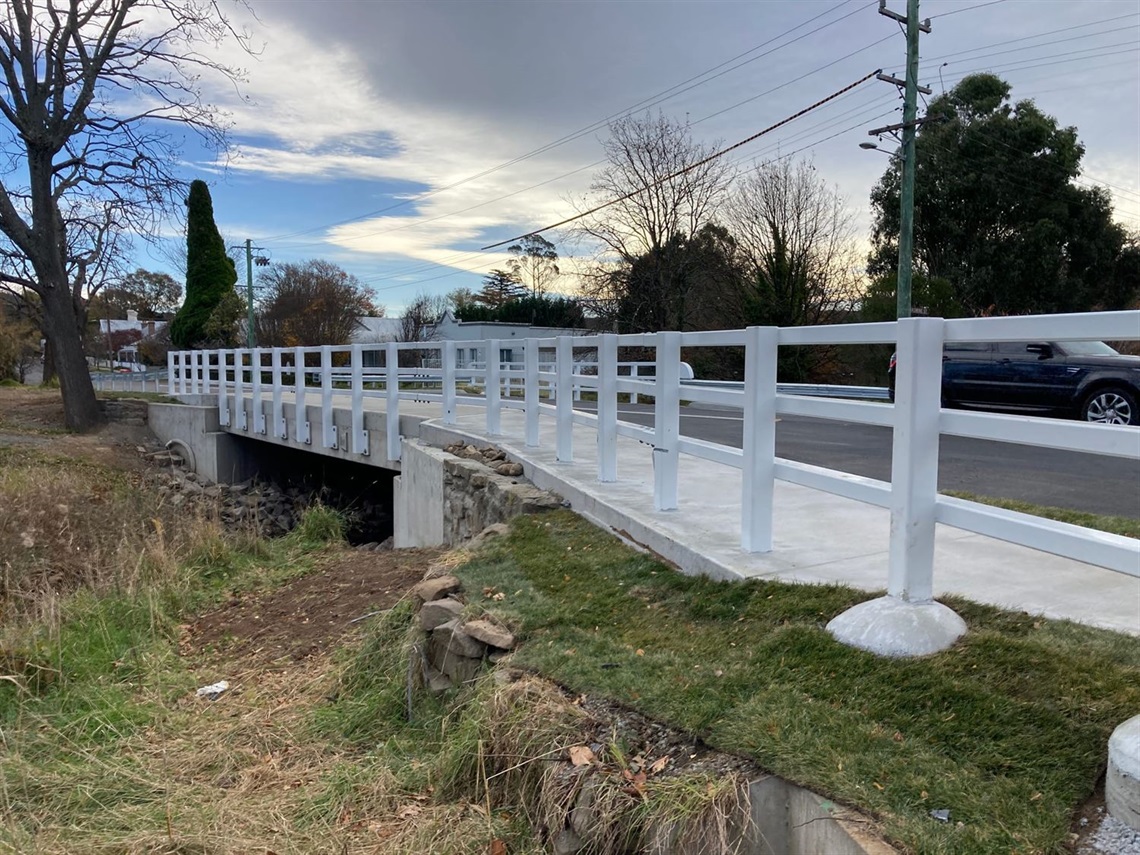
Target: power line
x,y
693,166
1045,44
645,103
967,9
597,163
1040,35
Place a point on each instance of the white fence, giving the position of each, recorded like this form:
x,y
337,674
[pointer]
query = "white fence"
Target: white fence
x,y
549,390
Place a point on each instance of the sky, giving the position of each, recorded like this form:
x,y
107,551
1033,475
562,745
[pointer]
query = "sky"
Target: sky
x,y
397,138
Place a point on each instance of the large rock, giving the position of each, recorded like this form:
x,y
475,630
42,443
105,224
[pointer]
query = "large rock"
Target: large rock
x,y
438,612
489,634
435,589
457,640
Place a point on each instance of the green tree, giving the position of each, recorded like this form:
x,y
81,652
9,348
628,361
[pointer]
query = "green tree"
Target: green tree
x,y
210,273
534,263
997,211
311,303
545,310
499,286
152,295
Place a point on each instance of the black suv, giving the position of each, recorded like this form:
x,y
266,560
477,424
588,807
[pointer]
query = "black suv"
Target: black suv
x,y
1082,379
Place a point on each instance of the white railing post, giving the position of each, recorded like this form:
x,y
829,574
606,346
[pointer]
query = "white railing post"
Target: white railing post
x,y
392,391
359,434
278,413
239,390
302,429
328,429
492,386
634,374
607,408
447,364
530,390
170,354
759,464
224,415
258,408
666,420
564,398
199,381
914,459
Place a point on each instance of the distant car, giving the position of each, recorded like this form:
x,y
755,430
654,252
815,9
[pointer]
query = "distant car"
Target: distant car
x,y
1087,380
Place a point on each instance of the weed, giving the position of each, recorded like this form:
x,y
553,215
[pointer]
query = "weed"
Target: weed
x,y
319,524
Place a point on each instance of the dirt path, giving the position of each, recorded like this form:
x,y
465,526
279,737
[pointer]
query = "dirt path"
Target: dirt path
x,y
310,614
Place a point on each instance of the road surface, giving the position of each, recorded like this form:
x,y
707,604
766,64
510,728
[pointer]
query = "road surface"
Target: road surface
x,y
1062,479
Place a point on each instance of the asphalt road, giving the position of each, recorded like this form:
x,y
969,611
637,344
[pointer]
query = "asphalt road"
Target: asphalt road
x,y
1063,479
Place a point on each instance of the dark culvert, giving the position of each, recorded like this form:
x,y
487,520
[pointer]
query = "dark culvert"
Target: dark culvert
x,y
363,493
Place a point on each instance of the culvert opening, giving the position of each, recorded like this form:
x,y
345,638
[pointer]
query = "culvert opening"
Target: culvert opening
x,y
363,493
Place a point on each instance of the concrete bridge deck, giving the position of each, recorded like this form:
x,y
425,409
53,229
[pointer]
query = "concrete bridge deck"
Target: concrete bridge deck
x,y
818,537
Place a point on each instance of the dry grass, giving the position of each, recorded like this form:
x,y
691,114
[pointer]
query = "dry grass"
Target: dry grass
x,y
71,524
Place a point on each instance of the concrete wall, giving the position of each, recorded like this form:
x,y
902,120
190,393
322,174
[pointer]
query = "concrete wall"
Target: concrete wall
x,y
212,453
418,496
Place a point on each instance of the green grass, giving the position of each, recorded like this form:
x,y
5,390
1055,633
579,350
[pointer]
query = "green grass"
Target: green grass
x,y
1007,730
1124,526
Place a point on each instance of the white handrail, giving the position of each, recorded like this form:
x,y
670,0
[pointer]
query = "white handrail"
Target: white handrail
x,y
553,375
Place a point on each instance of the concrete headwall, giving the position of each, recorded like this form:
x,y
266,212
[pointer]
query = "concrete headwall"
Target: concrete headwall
x,y
443,500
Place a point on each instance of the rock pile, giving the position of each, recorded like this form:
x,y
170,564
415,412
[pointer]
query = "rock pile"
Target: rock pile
x,y
455,648
491,457
268,509
482,487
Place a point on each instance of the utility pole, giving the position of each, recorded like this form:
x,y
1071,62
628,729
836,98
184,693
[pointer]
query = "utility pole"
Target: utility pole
x,y
909,125
249,337
250,260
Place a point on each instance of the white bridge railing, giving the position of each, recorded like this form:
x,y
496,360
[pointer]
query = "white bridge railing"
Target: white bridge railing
x,y
428,372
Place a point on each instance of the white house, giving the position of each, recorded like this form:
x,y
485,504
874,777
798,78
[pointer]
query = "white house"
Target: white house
x,y
448,328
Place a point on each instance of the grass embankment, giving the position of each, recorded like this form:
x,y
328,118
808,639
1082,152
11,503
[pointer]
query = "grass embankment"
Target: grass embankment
x,y
1007,730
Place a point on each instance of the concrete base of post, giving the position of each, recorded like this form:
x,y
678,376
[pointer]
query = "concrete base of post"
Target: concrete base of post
x,y
892,627
1122,782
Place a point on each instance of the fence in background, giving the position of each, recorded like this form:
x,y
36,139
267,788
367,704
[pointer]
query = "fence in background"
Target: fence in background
x,y
427,372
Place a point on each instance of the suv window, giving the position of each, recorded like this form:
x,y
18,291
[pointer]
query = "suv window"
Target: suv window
x,y
975,346
1012,348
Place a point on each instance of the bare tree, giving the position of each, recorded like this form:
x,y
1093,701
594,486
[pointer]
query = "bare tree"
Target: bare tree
x,y
799,241
89,86
662,194
421,316
799,244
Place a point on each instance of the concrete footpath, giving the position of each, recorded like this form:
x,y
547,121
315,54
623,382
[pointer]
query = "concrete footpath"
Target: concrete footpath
x,y
818,537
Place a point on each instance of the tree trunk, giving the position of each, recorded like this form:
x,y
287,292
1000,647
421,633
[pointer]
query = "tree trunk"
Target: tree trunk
x,y
80,408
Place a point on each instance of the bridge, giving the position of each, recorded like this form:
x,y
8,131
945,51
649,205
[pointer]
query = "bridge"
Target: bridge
x,y
709,508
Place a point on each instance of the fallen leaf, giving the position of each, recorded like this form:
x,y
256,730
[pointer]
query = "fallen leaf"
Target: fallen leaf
x,y
409,811
1034,797
498,847
659,764
877,785
640,652
581,755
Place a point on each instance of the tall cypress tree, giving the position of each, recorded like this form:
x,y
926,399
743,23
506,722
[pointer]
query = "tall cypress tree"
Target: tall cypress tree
x,y
210,273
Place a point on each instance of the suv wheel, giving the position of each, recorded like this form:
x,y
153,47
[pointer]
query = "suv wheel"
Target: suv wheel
x,y
1111,406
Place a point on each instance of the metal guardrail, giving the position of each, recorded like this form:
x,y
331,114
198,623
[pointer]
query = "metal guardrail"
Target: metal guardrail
x,y
246,381
813,390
